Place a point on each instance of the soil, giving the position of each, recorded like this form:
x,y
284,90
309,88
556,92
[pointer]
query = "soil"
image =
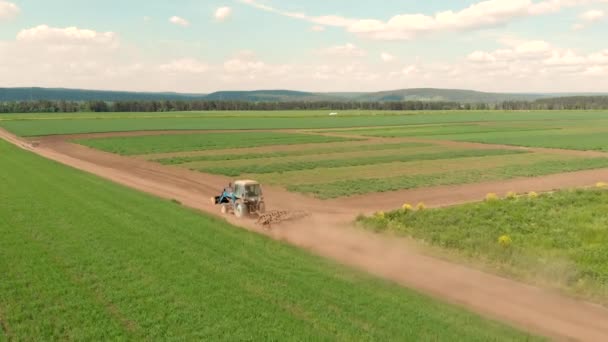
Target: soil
x,y
329,233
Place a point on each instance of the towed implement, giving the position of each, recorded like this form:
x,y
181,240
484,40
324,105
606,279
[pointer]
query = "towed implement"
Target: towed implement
x,y
245,199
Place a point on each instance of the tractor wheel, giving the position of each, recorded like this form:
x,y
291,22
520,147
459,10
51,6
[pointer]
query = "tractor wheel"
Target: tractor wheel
x,y
224,209
262,207
241,210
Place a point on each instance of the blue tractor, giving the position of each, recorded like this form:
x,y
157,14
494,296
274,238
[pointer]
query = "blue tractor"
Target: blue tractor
x,y
243,198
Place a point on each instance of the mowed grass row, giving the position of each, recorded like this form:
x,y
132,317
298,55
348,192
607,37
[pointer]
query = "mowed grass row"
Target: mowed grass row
x,y
320,176
433,130
259,168
78,264
352,187
319,158
83,123
202,141
557,239
566,139
295,153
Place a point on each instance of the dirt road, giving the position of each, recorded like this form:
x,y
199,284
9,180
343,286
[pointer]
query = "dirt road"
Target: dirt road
x,y
328,234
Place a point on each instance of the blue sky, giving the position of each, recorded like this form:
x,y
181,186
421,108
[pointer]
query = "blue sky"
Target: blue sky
x,y
338,45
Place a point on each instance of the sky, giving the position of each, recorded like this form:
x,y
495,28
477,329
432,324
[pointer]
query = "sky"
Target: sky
x,y
201,46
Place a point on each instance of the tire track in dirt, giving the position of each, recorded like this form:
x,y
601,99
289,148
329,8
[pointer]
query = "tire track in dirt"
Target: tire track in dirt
x,y
328,233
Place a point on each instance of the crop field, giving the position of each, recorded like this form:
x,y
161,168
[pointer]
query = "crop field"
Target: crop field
x,y
146,268
578,135
355,153
198,142
77,264
557,239
66,123
356,167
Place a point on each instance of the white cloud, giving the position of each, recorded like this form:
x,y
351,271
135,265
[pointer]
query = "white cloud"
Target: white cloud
x,y
578,27
593,16
85,58
185,65
589,18
8,10
179,21
387,57
317,28
408,70
538,60
484,14
481,57
346,50
66,36
223,13
244,62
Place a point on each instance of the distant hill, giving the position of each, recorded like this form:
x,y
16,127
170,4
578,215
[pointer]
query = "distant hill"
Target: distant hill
x,y
420,94
268,96
56,94
447,95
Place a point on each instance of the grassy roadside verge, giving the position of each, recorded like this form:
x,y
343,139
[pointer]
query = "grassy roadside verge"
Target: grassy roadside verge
x,y
558,239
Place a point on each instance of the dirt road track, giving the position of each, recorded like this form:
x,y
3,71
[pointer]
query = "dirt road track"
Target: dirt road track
x,y
327,234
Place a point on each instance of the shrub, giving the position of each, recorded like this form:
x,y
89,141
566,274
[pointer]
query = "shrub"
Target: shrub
x,y
420,206
380,215
491,197
505,241
511,195
407,207
532,194
602,185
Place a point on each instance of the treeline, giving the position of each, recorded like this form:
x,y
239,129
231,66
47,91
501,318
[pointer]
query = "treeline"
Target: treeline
x,y
45,106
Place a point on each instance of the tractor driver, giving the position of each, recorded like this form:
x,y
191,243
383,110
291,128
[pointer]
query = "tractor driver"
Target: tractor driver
x,y
229,189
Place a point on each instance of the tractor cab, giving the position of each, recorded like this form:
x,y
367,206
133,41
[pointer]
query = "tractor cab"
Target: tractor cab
x,y
248,190
242,198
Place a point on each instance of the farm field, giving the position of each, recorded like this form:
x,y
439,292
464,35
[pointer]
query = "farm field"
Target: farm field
x,y
333,163
360,166
591,135
146,268
556,239
342,169
66,123
194,142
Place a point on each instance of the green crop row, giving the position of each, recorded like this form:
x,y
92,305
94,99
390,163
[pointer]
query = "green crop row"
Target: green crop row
x,y
201,142
557,239
550,139
87,260
364,186
295,153
414,131
333,163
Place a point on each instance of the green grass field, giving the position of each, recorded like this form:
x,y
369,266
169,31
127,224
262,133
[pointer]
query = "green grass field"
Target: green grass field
x,y
68,123
259,168
354,143
362,186
201,142
557,239
84,259
574,139
293,153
